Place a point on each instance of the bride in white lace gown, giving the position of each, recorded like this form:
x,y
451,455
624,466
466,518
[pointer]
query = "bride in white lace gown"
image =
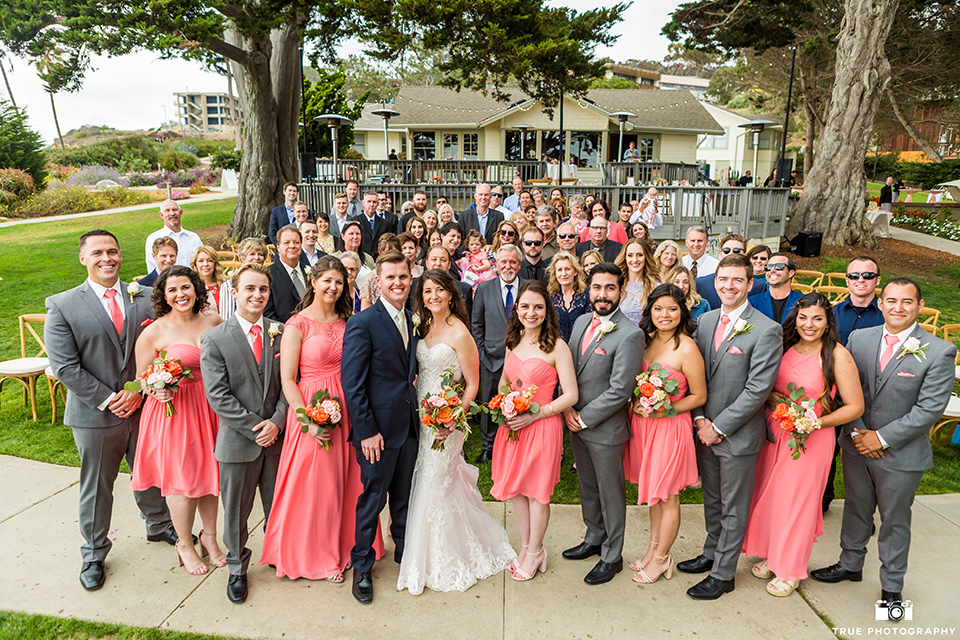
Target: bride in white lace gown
x,y
451,541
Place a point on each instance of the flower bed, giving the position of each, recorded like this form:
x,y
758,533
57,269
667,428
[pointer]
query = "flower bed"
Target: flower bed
x,y
932,223
75,199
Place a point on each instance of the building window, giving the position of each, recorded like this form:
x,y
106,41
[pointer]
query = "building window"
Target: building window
x,y
213,110
451,146
512,149
471,146
550,146
424,145
360,143
712,141
211,99
213,120
403,144
765,137
646,81
585,148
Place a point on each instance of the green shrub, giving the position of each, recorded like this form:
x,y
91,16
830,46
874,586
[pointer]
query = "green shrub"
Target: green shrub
x,y
109,152
176,160
227,159
15,184
205,148
886,165
20,146
59,171
185,147
134,162
928,175
60,200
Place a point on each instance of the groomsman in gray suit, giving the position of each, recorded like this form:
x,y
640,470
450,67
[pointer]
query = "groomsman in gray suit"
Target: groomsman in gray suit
x,y
742,349
607,356
907,377
90,333
241,373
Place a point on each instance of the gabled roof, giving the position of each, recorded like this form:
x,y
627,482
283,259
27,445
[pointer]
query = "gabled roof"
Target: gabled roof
x,y
748,117
438,106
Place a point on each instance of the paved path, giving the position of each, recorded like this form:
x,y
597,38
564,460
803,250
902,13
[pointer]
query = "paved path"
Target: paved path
x,y
924,240
38,531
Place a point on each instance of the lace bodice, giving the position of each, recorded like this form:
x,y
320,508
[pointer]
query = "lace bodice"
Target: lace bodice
x,y
434,362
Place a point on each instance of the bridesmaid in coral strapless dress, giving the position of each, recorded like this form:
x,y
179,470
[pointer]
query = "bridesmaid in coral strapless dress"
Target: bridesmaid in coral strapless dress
x,y
311,526
526,470
660,457
786,515
176,453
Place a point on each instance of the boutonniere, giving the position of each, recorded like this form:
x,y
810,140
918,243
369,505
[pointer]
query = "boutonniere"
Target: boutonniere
x,y
273,331
913,347
605,327
415,318
134,290
740,326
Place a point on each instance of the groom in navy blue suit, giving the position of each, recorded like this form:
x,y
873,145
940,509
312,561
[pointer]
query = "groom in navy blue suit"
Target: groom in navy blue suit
x,y
378,369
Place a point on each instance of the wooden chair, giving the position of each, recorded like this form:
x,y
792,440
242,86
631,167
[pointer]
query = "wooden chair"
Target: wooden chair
x,y
802,288
836,279
54,386
226,255
929,316
139,278
951,332
834,294
815,277
27,369
951,415
929,328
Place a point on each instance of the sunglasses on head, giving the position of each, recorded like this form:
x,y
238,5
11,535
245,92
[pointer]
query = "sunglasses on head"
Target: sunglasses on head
x,y
566,236
734,249
533,243
866,275
774,267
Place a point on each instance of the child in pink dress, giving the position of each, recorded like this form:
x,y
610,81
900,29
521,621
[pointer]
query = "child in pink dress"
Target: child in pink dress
x,y
476,266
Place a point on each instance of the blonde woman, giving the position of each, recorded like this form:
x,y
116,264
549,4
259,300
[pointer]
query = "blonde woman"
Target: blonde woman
x,y
249,250
431,220
537,196
667,256
589,260
206,263
682,277
445,214
567,286
507,233
640,272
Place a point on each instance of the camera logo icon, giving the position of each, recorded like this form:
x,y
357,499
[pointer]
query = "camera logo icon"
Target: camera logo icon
x,y
894,611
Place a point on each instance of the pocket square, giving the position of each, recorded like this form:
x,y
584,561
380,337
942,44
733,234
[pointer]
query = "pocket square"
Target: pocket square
x,y
276,357
735,350
905,374
599,351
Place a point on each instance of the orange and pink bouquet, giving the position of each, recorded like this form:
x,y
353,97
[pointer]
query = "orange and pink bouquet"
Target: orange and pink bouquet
x,y
444,409
162,373
509,403
797,416
324,412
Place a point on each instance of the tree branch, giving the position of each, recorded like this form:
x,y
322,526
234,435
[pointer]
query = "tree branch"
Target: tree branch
x,y
915,135
227,50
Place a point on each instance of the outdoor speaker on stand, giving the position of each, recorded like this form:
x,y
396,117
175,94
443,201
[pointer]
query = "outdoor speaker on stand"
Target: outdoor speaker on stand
x,y
308,166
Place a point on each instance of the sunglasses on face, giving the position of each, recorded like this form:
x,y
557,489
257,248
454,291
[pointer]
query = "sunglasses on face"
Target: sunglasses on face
x,y
506,232
734,249
533,243
774,267
566,236
865,275
496,195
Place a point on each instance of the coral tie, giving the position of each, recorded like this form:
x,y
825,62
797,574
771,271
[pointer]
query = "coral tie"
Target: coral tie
x,y
115,314
721,329
887,354
256,331
588,335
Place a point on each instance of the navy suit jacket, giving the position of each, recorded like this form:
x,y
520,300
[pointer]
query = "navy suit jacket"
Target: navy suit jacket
x,y
283,295
377,374
611,249
708,291
764,304
278,220
148,280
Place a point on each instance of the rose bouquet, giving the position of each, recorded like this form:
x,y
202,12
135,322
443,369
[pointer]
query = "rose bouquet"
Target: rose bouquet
x,y
653,391
162,373
445,410
509,403
797,416
324,412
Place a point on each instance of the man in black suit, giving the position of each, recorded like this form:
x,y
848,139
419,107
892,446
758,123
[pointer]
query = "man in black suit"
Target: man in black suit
x,y
482,217
599,228
439,258
385,210
288,275
372,226
282,215
534,266
165,255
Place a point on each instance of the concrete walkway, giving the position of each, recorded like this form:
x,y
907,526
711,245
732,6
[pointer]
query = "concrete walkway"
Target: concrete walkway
x,y
924,240
38,531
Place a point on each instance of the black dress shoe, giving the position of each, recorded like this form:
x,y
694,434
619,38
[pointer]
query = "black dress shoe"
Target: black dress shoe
x,y
891,596
582,551
237,588
700,564
362,587
485,456
604,572
168,535
710,588
836,573
92,576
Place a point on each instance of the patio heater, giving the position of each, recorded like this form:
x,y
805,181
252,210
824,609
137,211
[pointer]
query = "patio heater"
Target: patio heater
x,y
386,113
334,121
522,128
756,127
622,117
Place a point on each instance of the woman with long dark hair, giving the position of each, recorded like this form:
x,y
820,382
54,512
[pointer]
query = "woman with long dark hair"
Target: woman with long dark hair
x,y
451,541
311,527
661,456
528,447
786,514
175,453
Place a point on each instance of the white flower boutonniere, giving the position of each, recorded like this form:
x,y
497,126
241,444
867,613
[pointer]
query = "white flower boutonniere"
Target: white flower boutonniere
x,y
273,331
912,347
740,326
415,318
134,290
605,327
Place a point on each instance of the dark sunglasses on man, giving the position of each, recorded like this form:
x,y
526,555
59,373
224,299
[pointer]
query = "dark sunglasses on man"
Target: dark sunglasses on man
x,y
566,236
734,249
865,275
775,267
494,194
533,243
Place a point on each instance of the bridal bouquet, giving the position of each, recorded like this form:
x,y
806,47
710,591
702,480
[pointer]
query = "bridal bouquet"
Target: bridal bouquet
x,y
798,417
162,373
445,410
323,411
653,391
509,403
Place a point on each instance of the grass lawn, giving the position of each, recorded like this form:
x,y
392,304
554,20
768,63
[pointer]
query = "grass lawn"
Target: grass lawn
x,y
873,191
52,266
21,626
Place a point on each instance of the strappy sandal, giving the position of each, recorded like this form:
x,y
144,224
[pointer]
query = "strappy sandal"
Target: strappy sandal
x,y
760,570
782,588
220,561
637,565
666,570
522,576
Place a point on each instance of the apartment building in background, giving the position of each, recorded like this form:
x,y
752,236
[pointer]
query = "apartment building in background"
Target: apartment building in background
x,y
206,112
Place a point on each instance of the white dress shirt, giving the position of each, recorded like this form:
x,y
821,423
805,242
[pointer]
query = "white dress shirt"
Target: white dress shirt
x,y
246,326
503,290
187,243
399,319
706,264
290,270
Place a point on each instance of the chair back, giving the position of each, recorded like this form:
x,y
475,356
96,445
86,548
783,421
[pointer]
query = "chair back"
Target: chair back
x,y
834,294
929,316
27,326
802,288
812,278
836,279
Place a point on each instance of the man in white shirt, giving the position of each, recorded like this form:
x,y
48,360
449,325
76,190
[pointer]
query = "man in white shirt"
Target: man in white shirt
x,y
496,200
339,217
699,263
512,203
187,241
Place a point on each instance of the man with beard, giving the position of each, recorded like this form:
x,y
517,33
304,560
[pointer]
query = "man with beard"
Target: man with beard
x,y
419,208
607,355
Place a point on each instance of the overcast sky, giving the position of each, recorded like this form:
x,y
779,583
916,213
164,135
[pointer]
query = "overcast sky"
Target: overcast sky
x,y
131,92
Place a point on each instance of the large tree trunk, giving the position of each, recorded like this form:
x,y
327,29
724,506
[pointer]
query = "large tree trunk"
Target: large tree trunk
x,y
7,82
834,193
917,137
270,100
809,136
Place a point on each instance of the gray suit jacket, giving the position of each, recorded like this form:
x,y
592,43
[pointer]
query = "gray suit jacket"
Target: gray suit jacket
x,y
606,375
236,392
488,322
739,379
86,353
904,400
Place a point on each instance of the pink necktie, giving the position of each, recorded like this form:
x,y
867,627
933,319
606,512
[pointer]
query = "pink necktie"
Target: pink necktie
x,y
115,314
588,336
721,329
257,342
887,354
